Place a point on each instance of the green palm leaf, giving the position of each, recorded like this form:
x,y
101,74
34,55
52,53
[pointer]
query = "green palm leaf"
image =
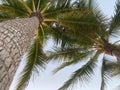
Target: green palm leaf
x,y
115,22
76,60
6,11
62,6
81,24
113,68
61,37
81,75
68,54
57,7
108,70
12,8
35,61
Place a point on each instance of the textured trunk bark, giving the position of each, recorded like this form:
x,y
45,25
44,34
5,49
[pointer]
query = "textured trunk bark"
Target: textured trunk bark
x,y
15,37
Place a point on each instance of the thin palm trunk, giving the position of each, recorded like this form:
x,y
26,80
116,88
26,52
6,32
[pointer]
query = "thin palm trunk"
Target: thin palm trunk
x,y
15,38
102,77
112,50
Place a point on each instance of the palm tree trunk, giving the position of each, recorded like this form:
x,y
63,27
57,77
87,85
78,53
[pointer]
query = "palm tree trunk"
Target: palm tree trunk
x,y
112,50
15,37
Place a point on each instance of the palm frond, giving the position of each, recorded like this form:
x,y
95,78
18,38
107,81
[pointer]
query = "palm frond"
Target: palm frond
x,y
16,4
115,22
61,37
74,60
61,6
41,35
12,9
78,20
109,69
56,7
11,12
27,7
35,61
68,53
81,22
77,29
113,68
81,75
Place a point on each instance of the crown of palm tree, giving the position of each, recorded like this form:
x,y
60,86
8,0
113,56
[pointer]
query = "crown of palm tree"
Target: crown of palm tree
x,y
88,43
77,26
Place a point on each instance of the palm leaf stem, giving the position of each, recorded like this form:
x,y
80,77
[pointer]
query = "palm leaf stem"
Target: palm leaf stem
x,y
47,6
33,5
44,9
50,20
44,24
26,6
38,6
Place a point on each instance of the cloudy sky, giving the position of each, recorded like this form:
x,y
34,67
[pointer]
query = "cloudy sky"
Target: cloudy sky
x,y
47,81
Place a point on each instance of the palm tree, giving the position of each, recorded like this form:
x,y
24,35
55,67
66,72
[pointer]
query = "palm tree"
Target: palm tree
x,y
36,21
89,42
80,30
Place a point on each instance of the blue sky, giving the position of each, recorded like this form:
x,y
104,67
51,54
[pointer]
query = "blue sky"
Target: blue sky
x,y
47,81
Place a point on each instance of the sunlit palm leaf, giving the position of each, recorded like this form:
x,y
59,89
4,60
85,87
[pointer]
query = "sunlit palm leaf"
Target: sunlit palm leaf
x,y
81,75
74,60
81,24
35,61
61,37
67,53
